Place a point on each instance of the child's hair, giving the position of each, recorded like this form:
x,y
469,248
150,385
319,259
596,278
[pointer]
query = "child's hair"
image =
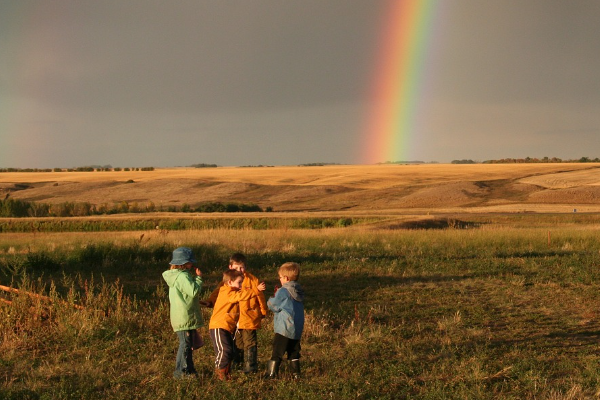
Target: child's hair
x,y
232,275
182,266
291,270
237,258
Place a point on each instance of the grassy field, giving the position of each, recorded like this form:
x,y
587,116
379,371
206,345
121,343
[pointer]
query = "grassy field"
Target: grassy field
x,y
423,282
506,308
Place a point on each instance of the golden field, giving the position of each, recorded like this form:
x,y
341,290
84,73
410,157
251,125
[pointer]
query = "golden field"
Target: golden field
x,y
430,281
429,188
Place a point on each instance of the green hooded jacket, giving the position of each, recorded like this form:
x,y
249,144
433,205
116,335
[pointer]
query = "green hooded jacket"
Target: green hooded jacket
x,y
183,295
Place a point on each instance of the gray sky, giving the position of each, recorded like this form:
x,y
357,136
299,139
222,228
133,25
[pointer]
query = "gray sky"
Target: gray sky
x,y
173,83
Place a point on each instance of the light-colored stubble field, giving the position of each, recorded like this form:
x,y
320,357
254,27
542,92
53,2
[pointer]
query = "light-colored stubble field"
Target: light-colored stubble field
x,y
375,188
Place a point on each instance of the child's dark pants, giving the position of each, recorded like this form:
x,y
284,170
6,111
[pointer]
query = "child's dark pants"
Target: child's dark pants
x,y
282,345
222,341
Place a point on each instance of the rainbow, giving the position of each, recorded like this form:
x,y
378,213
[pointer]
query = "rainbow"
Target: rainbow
x,y
398,80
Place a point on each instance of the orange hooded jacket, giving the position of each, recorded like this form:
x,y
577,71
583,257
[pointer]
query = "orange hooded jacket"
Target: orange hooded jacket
x,y
226,312
251,311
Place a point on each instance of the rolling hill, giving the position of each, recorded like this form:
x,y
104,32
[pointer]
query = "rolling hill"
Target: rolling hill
x,y
399,188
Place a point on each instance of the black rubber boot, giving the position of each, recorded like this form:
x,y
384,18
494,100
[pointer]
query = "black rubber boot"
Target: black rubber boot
x,y
272,369
238,358
250,360
295,368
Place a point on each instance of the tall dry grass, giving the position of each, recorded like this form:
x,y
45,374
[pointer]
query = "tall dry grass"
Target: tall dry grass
x,y
491,312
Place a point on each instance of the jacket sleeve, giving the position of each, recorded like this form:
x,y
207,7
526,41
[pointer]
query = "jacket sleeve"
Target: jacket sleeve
x,y
187,285
215,294
263,304
276,301
261,297
235,296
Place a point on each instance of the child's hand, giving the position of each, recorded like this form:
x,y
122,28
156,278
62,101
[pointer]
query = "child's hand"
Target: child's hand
x,y
198,272
275,291
261,286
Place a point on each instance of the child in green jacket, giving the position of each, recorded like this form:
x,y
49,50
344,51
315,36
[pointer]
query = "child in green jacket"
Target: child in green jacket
x,y
184,289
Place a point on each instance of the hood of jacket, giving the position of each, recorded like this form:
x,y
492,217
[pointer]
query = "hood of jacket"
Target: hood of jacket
x,y
171,275
295,290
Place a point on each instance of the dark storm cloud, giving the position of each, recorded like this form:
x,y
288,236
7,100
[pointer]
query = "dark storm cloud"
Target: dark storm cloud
x,y
209,56
521,50
282,82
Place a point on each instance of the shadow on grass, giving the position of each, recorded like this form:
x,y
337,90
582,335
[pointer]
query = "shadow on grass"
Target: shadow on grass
x,y
438,223
550,336
534,254
333,289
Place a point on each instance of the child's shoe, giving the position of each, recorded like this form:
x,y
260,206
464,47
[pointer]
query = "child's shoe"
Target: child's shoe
x,y
182,375
223,373
295,367
272,369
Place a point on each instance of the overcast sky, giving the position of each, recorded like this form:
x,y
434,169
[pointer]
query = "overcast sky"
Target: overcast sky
x,y
271,82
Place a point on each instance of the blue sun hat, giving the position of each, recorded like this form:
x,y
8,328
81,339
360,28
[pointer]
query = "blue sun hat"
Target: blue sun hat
x,y
182,255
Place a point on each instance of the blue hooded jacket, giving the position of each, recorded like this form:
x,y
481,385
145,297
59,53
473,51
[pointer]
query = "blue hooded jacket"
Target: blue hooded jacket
x,y
289,310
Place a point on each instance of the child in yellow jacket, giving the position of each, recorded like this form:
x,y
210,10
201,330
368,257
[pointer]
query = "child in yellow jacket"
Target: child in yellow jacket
x,y
226,314
252,311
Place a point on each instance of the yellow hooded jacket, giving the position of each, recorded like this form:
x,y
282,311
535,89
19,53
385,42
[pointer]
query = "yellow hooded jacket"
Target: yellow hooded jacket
x,y
251,311
226,312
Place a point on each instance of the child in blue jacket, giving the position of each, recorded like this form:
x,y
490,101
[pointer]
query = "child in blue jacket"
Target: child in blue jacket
x,y
288,322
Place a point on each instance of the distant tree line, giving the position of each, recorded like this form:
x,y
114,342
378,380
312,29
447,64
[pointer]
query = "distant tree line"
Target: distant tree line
x,y
463,162
319,164
402,162
204,165
94,168
529,160
14,208
543,160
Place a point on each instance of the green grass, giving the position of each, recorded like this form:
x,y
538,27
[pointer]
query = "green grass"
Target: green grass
x,y
180,222
483,313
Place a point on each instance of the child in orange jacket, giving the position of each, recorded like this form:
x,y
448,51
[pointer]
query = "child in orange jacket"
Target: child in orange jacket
x,y
252,311
226,314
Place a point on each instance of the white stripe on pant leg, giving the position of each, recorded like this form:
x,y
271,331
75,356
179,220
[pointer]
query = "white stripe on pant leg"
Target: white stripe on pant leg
x,y
218,347
219,342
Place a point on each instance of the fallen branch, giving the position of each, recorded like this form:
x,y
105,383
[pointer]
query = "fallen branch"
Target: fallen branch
x,y
38,296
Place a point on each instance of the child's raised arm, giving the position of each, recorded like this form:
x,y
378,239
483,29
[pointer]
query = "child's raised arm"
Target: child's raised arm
x,y
188,285
277,300
235,296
